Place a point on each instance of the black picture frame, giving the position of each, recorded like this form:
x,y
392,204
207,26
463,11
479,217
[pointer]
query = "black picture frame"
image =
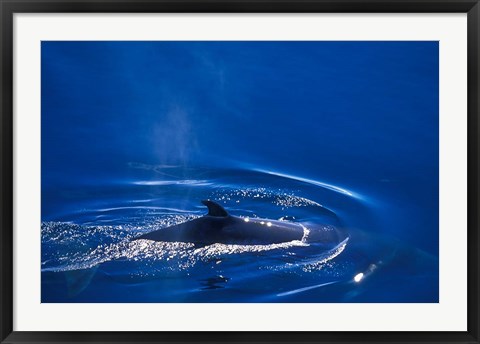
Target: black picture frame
x,y
10,7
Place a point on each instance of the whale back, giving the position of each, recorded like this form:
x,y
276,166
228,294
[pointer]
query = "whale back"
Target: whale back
x,y
218,226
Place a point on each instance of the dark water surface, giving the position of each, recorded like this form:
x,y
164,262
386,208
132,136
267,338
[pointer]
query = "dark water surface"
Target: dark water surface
x,y
88,254
337,135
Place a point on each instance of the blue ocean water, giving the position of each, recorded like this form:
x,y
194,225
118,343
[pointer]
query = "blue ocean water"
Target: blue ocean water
x,y
341,135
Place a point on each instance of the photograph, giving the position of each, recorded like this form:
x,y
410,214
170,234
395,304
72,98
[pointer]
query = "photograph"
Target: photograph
x,y
239,172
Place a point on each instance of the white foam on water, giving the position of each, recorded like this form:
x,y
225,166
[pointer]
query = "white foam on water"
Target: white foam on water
x,y
296,291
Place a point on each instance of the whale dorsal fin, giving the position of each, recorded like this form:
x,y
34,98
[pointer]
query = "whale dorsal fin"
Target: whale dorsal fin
x,y
215,209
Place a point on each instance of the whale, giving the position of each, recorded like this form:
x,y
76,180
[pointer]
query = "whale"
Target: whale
x,y
218,226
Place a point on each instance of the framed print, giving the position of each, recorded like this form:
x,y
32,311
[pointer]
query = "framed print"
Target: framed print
x,y
239,171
